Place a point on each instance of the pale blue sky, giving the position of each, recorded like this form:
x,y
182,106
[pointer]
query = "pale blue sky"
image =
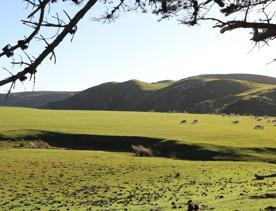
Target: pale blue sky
x,y
136,46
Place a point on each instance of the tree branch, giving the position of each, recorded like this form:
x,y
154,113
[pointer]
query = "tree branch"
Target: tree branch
x,y
32,68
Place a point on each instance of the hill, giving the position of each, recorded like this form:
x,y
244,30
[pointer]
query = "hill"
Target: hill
x,y
230,93
111,96
245,77
33,99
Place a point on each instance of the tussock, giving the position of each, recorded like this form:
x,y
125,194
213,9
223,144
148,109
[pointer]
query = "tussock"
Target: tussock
x,y
39,144
142,151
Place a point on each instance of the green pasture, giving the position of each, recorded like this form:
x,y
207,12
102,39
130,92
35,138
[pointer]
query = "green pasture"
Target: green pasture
x,y
94,180
213,169
213,133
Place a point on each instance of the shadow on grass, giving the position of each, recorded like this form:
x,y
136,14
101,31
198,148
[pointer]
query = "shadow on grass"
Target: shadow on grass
x,y
160,147
263,150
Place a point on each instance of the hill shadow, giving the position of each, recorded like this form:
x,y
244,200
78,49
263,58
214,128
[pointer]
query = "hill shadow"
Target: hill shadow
x,y
160,147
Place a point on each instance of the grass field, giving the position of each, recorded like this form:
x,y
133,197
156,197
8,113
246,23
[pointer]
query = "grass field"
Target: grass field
x,y
80,180
213,134
209,174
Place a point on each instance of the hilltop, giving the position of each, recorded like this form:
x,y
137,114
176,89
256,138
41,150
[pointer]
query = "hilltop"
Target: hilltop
x,y
261,79
217,93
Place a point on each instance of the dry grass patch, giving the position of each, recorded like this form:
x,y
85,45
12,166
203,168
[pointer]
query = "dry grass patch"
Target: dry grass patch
x,y
142,151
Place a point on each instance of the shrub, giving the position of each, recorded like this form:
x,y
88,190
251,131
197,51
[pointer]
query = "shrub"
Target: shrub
x,y
38,144
175,174
142,151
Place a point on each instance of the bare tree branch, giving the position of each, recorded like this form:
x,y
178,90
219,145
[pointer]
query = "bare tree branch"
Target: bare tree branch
x,y
32,68
256,15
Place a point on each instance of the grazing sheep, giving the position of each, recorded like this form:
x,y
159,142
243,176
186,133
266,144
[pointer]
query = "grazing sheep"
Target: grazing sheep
x,y
183,121
235,122
260,127
195,121
259,119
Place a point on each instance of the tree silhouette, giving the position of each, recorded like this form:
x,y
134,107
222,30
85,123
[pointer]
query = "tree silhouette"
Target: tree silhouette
x,y
256,15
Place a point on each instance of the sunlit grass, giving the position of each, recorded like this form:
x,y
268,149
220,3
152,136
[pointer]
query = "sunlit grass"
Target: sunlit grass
x,y
61,179
211,129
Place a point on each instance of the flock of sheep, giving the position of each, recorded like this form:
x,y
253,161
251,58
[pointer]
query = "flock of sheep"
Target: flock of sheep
x,y
257,118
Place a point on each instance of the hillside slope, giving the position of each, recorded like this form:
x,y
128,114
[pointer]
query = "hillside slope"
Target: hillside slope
x,y
231,93
32,99
111,96
245,77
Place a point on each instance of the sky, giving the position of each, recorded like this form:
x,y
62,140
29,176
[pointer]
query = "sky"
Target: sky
x,y
135,46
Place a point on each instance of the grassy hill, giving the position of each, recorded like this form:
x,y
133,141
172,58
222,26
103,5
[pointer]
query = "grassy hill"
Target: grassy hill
x,y
260,79
33,99
111,96
231,93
